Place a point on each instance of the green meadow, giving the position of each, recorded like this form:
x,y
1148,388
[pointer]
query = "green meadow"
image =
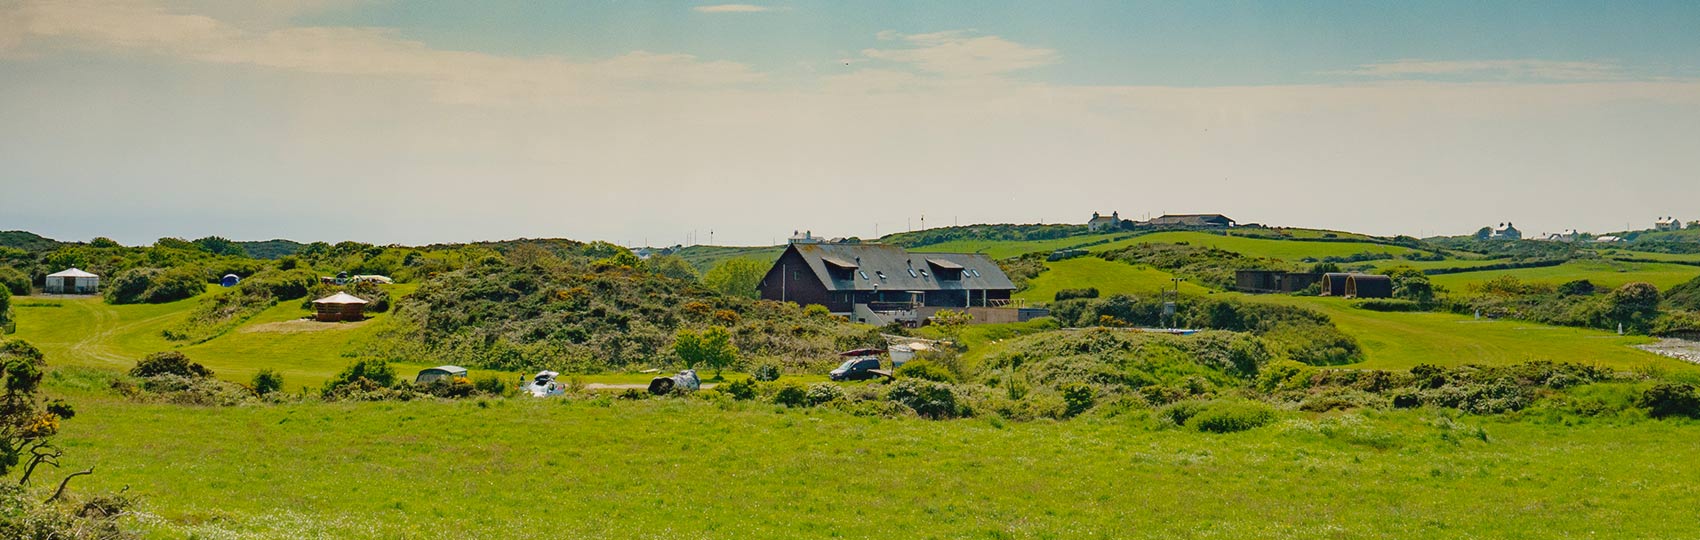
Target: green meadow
x,y
1107,276
682,468
1607,273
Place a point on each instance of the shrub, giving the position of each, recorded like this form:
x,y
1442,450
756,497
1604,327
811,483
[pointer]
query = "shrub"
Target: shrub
x,y
169,363
15,281
823,393
1070,294
1580,287
1388,304
1078,397
1180,412
741,389
927,398
368,374
791,394
282,285
921,368
153,285
267,381
490,385
1670,399
765,371
1232,417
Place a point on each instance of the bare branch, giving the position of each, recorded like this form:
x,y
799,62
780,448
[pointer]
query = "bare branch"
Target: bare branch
x,y
67,481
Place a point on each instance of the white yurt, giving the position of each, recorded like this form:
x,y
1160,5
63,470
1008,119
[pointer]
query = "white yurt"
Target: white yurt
x,y
71,281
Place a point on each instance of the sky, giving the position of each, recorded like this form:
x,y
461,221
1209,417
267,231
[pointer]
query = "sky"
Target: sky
x,y
658,123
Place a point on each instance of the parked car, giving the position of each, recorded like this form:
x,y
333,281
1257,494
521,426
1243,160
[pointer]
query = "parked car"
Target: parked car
x,y
857,369
544,385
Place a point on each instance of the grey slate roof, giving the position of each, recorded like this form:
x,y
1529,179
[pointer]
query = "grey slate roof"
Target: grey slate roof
x,y
978,271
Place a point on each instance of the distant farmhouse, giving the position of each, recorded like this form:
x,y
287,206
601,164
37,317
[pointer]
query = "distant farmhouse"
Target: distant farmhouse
x,y
1569,235
881,284
1190,220
1667,224
1104,223
1505,231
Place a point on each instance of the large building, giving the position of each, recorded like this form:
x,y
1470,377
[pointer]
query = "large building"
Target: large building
x,y
879,283
1667,224
1100,222
1200,221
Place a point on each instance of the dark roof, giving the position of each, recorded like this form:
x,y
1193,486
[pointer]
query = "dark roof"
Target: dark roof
x,y
871,260
1190,219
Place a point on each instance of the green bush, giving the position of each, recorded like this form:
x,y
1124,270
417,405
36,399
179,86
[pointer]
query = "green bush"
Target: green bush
x,y
283,284
741,389
1231,417
927,398
1071,294
1180,412
490,385
154,286
375,371
1388,304
791,394
267,381
823,393
15,281
169,363
1078,397
1670,399
921,368
765,372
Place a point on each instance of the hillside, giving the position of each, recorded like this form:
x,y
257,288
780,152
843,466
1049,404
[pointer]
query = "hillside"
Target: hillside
x,y
27,241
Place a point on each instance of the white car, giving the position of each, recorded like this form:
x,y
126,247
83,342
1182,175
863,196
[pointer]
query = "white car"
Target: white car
x,y
544,385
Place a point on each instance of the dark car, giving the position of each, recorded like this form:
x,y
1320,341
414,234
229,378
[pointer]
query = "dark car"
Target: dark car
x,y
856,369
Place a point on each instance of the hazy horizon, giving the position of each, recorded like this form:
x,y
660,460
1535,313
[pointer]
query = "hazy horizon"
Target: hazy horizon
x,y
419,123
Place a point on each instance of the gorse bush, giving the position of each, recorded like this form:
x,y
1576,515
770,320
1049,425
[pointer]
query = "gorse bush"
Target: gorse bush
x,y
822,393
1671,399
1232,416
741,389
14,281
921,368
169,363
927,398
1071,294
1078,398
765,371
267,381
791,394
154,285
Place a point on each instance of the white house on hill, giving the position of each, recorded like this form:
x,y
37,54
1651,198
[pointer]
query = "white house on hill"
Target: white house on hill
x,y
1667,224
1104,223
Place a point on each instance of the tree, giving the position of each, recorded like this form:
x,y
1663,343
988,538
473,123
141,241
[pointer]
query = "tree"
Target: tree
x,y
170,363
104,242
14,280
711,348
5,308
950,322
672,266
1411,284
219,245
27,423
1634,304
736,277
1484,233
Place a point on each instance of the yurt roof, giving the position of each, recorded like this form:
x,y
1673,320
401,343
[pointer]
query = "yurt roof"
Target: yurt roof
x,y
71,272
340,298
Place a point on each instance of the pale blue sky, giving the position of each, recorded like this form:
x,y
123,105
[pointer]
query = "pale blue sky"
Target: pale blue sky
x,y
393,121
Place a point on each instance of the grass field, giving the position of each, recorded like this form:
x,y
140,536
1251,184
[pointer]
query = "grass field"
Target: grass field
x,y
670,469
1001,249
1107,276
705,257
1402,340
1288,250
1602,273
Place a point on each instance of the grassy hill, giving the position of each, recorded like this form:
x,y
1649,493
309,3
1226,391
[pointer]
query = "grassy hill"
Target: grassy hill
x,y
706,257
1106,276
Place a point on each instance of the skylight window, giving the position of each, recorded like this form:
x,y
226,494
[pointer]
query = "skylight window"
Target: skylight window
x,y
975,272
863,274
880,274
912,273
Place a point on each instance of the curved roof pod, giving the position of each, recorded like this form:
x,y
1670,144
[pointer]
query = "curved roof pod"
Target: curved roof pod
x,y
1369,286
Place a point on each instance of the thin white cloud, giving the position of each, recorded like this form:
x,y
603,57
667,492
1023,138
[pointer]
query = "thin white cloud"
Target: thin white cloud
x,y
458,75
731,8
961,53
1518,69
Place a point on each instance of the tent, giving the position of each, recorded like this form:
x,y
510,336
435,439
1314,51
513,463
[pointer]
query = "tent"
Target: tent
x,y
71,281
339,307
440,372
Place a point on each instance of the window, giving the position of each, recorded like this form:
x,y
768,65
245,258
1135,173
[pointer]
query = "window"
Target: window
x,y
975,272
912,273
880,274
863,274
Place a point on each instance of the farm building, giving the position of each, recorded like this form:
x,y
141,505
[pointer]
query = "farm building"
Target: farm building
x,y
440,372
1356,285
1667,224
339,307
1505,231
1191,220
1101,222
1273,281
879,283
71,281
